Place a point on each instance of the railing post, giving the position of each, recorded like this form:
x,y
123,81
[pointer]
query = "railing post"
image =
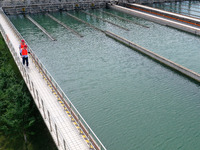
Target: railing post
x,y
56,85
64,144
33,90
50,78
70,106
62,95
29,82
49,121
43,109
57,134
38,68
37,98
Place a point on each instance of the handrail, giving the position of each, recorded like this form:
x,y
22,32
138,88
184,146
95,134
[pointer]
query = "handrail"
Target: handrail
x,y
74,112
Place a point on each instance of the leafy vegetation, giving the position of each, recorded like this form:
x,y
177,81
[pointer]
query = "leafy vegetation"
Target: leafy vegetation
x,y
21,126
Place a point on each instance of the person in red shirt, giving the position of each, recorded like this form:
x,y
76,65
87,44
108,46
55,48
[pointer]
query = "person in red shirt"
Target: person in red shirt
x,y
21,46
24,53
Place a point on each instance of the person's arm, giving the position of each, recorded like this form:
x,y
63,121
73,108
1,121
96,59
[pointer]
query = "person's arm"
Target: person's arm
x,y
20,52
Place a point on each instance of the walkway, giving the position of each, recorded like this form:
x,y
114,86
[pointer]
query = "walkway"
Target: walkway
x,y
64,128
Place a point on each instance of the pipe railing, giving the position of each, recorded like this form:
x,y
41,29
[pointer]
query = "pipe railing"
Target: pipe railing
x,y
85,128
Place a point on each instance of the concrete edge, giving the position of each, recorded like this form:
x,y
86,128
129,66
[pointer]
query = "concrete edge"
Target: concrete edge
x,y
185,71
156,19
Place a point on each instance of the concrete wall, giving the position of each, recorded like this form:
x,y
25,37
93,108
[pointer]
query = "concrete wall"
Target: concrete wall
x,y
174,66
36,6
49,7
182,18
155,1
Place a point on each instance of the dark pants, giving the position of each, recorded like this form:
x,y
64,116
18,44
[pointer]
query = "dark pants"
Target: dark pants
x,y
25,59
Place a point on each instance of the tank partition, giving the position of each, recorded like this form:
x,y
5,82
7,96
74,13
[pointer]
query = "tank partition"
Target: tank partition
x,y
157,19
191,74
166,14
64,25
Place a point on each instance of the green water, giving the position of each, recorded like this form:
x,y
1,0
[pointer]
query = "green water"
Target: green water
x,y
130,101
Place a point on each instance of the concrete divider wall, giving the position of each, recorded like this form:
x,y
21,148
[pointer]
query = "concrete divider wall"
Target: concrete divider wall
x,y
155,1
179,68
156,19
177,16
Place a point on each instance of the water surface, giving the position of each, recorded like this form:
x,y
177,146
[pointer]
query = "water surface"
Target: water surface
x,y
130,101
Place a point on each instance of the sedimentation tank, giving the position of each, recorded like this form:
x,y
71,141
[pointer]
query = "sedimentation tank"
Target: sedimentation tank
x,y
129,100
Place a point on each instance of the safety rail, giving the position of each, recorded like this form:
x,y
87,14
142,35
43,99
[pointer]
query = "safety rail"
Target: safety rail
x,y
84,127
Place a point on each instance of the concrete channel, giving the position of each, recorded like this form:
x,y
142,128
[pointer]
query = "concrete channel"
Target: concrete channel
x,y
157,19
167,14
121,18
176,11
85,22
105,20
189,73
40,27
64,25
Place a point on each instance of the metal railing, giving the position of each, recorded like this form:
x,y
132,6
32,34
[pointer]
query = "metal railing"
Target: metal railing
x,y
84,127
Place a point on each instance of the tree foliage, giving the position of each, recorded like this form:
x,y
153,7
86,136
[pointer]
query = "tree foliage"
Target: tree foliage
x,y
19,117
16,108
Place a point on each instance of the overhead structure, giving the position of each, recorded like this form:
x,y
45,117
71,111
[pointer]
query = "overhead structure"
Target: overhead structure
x,y
37,6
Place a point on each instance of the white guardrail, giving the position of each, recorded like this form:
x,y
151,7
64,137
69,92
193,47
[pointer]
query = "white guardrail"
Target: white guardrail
x,y
84,127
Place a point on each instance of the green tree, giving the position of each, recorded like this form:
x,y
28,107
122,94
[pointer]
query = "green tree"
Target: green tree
x,y
21,126
16,106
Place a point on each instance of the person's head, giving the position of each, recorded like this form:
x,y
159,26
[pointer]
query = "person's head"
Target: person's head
x,y
25,46
22,41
